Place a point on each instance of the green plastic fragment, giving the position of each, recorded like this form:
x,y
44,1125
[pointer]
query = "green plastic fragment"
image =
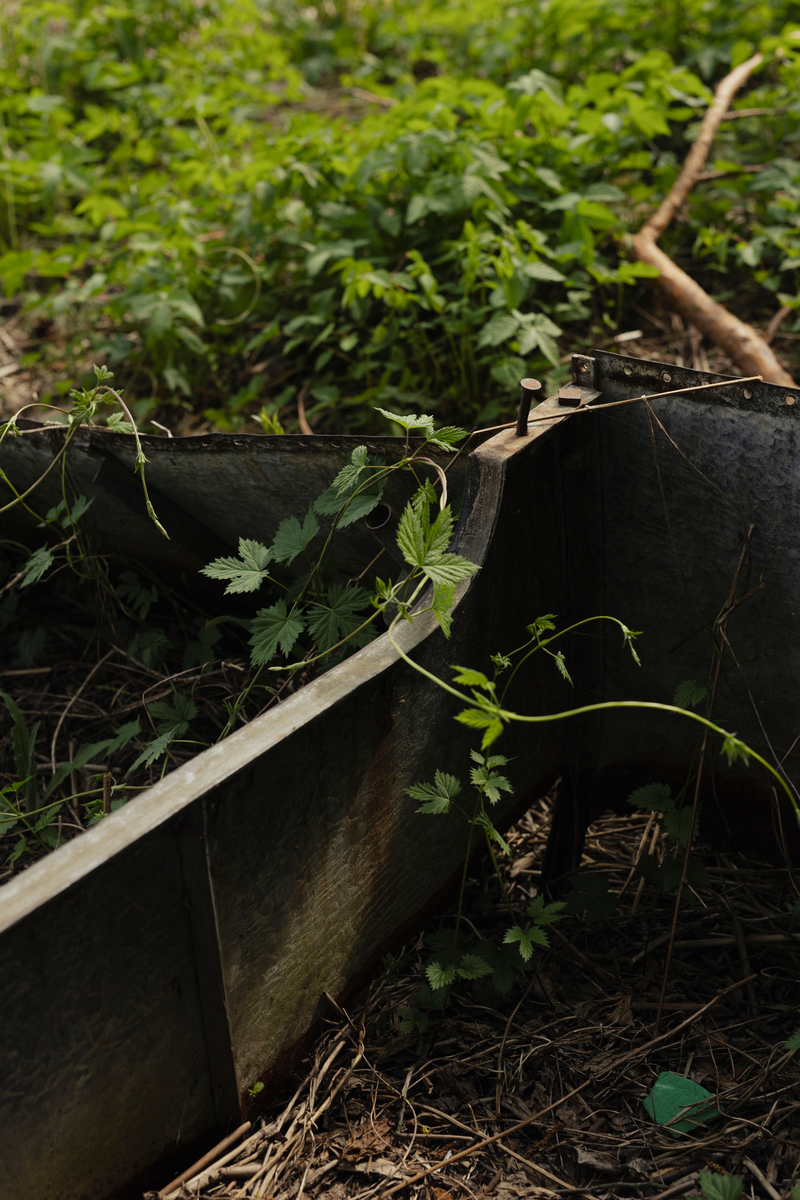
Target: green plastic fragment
x,y
673,1096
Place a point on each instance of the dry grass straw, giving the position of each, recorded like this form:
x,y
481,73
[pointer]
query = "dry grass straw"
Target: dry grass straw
x,y
540,1093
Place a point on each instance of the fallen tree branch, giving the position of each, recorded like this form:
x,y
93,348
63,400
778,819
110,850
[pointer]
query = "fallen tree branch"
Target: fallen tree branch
x,y
740,341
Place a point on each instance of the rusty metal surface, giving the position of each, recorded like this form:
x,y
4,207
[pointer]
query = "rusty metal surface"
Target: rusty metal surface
x,y
154,968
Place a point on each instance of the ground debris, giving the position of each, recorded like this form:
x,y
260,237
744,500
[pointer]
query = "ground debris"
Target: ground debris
x,y
540,1093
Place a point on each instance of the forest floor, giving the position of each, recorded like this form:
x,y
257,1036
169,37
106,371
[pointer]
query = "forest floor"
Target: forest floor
x,y
543,1092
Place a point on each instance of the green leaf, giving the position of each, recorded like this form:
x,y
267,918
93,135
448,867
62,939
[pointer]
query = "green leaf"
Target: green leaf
x,y
562,668
472,966
20,847
537,81
655,797
449,570
677,823
734,749
411,537
538,331
492,835
689,694
124,734
438,976
436,797
439,535
37,565
247,572
442,606
542,272
489,782
292,537
409,423
446,437
349,476
174,717
480,718
154,751
273,627
720,1187
543,624
525,940
470,678
359,506
793,1043
413,1020
24,744
497,330
543,913
329,624
423,498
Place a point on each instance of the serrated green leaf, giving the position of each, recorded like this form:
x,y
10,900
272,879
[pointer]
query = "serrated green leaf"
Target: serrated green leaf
x,y
497,330
273,627
655,797
439,977
37,565
292,538
340,617
349,476
476,718
562,668
720,1187
733,749
154,751
793,1043
493,835
689,694
410,422
411,537
353,508
446,437
470,678
449,570
677,823
438,796
174,716
439,536
543,624
523,940
489,783
442,606
543,913
472,966
247,572
413,1020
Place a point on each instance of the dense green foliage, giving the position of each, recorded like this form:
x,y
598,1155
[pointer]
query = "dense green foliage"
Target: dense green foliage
x,y
200,191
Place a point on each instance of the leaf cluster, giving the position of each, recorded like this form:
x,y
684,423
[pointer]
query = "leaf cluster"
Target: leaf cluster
x,y
167,185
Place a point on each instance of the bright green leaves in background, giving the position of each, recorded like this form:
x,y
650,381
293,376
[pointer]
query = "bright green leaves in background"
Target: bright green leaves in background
x,y
178,188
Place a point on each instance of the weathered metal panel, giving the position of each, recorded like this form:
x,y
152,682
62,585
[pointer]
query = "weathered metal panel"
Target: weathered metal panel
x,y
180,947
667,579
103,1063
207,491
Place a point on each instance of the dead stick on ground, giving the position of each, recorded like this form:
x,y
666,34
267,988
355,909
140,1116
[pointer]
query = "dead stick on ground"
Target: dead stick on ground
x,y
207,1158
739,340
613,1065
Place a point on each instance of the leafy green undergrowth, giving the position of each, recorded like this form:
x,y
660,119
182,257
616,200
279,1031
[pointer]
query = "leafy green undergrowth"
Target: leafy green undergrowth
x,y
239,203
